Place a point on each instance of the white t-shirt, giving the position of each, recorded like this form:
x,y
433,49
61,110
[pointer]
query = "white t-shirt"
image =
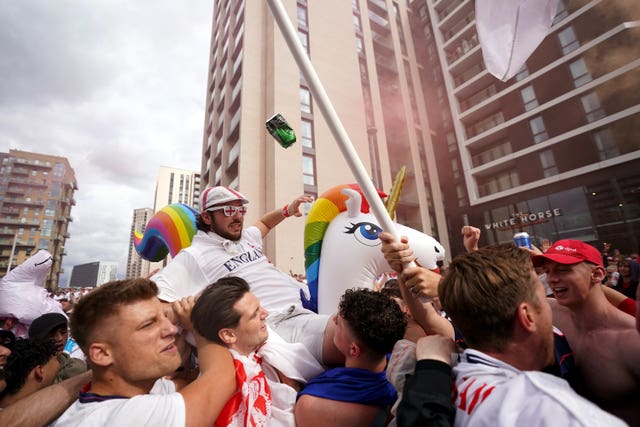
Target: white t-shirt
x,y
211,257
493,393
161,407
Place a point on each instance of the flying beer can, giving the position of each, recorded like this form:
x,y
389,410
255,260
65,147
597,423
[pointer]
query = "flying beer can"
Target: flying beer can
x,y
280,130
522,240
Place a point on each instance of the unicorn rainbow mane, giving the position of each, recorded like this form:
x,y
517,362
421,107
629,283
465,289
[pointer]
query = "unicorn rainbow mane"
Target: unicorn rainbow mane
x,y
326,207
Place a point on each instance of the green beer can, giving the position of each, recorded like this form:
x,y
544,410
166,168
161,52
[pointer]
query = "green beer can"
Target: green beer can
x,y
280,130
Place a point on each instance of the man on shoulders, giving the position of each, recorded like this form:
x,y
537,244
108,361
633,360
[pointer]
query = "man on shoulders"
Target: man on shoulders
x,y
222,248
604,340
128,339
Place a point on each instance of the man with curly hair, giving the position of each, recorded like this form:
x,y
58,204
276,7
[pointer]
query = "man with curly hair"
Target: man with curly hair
x,y
31,366
367,326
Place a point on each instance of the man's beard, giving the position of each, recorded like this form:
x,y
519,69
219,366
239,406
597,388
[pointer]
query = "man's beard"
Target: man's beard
x,y
224,234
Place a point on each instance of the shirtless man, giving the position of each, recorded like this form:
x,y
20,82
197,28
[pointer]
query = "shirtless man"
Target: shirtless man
x,y
604,340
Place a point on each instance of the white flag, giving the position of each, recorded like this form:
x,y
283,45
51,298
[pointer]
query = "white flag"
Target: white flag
x,y
510,30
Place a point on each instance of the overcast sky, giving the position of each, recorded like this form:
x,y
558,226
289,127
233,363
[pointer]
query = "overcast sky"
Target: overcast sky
x,y
117,87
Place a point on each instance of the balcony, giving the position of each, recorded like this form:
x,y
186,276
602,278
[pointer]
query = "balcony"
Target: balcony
x,y
20,222
15,191
6,231
460,48
10,211
234,153
454,13
463,26
33,163
20,171
23,201
30,182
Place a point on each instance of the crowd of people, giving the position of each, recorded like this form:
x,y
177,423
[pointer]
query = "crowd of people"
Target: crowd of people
x,y
504,336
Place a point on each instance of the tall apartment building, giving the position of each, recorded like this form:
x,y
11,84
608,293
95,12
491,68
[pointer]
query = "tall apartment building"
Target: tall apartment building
x,y
361,51
554,151
173,185
92,274
136,266
36,196
176,186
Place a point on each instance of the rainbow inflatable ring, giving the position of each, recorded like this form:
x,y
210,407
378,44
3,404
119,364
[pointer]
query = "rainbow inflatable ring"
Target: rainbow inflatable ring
x,y
323,210
168,231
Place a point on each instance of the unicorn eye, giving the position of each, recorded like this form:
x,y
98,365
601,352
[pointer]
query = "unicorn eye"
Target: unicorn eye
x,y
365,233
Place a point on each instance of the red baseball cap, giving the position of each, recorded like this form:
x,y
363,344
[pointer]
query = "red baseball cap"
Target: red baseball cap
x,y
569,252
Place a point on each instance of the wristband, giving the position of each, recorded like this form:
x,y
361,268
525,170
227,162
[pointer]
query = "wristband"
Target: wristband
x,y
285,211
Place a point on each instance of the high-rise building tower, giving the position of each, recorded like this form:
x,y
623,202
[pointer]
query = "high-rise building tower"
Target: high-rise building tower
x,y
136,266
92,274
172,186
36,195
361,51
554,151
176,186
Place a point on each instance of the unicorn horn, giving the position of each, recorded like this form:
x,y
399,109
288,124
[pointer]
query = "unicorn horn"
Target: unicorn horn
x,y
394,196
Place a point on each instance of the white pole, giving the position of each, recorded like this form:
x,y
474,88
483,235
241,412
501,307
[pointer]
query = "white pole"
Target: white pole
x,y
326,108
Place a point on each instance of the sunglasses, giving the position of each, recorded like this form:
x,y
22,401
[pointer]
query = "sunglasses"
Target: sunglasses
x,y
229,210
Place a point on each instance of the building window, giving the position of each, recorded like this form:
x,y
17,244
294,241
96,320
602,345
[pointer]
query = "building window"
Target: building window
x,y
302,16
59,170
45,227
568,41
548,163
579,72
538,130
460,195
423,12
306,133
529,98
503,181
455,168
427,32
561,12
592,108
356,23
522,74
452,144
305,100
308,169
359,44
606,144
304,40
486,124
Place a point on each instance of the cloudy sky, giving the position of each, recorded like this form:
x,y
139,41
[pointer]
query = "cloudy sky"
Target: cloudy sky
x,y
117,87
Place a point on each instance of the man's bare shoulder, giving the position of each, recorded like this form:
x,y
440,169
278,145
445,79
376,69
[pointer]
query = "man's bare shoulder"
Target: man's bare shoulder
x,y
628,346
561,315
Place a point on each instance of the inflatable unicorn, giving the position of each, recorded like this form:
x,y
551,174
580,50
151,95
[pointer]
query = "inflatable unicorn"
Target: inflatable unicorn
x,y
168,231
22,295
342,249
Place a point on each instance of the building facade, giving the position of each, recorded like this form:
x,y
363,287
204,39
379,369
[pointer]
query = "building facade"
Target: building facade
x,y
555,151
361,51
173,185
36,196
176,186
92,274
136,266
